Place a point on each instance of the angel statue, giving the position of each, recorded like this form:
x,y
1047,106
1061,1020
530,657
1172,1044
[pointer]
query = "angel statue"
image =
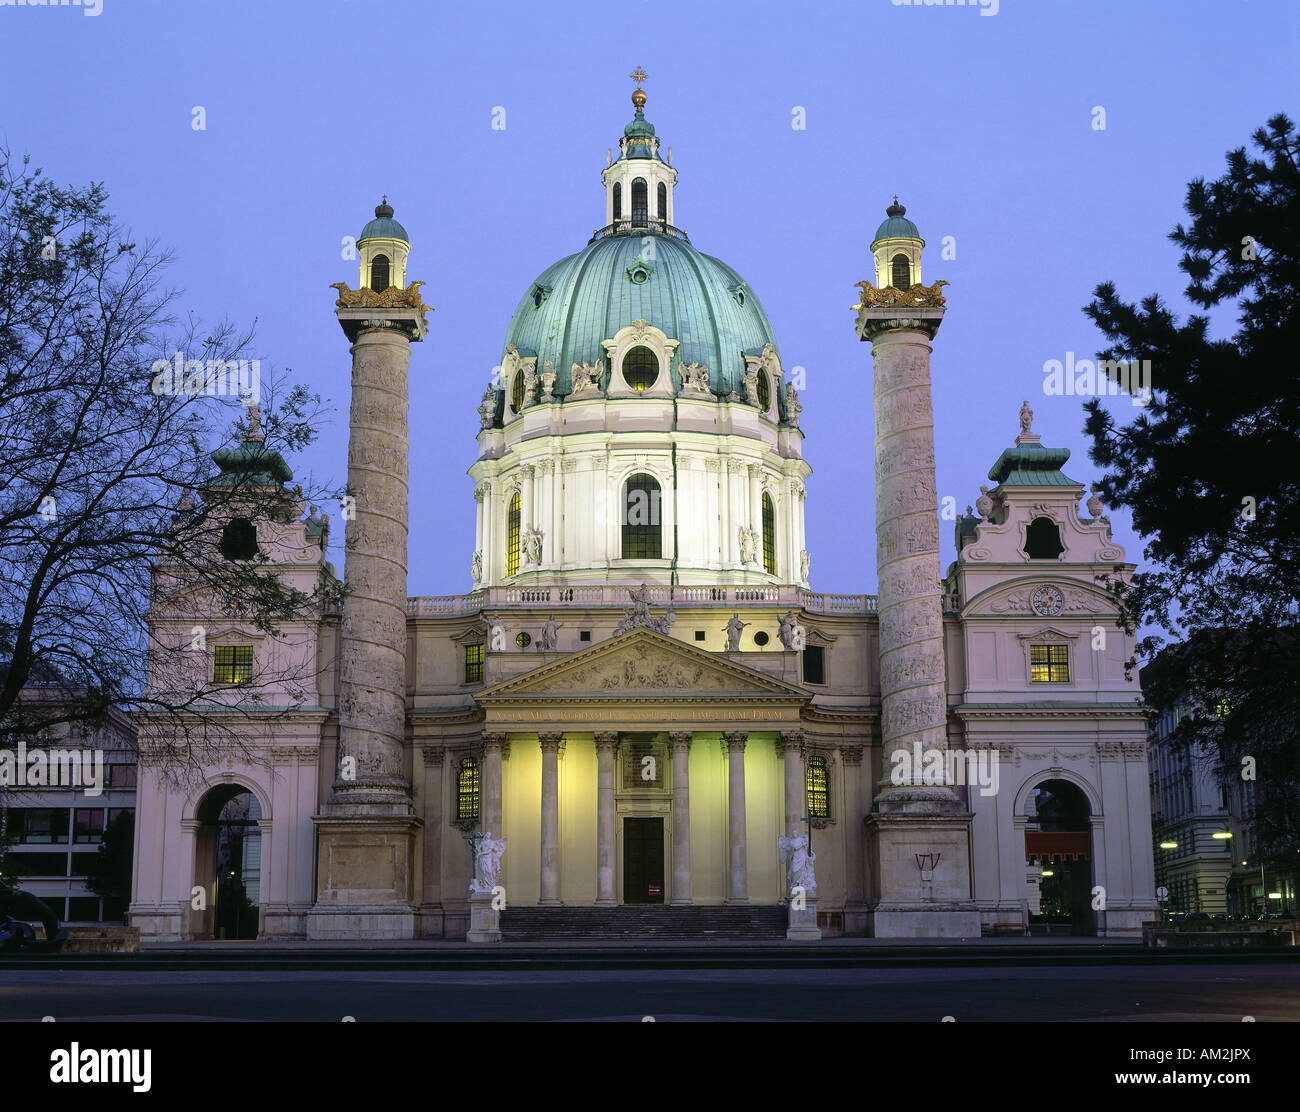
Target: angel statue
x,y
798,860
487,863
733,629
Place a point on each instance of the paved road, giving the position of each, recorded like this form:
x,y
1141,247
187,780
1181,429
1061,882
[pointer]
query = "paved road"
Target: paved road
x,y
1220,992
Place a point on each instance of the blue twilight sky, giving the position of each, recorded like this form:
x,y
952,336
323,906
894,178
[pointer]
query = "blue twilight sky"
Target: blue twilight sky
x,y
982,124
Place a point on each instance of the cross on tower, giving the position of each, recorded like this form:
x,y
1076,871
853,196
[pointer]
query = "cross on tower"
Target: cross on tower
x,y
638,77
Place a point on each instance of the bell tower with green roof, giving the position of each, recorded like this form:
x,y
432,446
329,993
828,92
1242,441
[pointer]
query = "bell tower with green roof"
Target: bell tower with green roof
x,y
639,183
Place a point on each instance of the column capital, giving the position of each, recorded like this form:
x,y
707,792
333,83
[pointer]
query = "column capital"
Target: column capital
x,y
550,741
734,740
792,739
493,740
606,740
680,739
432,755
851,754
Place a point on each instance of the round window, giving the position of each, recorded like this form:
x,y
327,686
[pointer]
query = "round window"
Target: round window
x,y
639,275
640,368
523,640
761,638
517,392
764,392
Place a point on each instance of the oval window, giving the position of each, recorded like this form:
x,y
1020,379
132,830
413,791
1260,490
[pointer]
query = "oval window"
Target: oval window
x,y
640,368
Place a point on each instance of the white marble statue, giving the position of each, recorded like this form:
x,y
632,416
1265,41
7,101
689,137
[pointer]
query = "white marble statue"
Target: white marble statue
x,y
487,863
786,629
487,407
550,635
746,545
984,503
799,862
476,567
695,377
805,564
1026,419
733,629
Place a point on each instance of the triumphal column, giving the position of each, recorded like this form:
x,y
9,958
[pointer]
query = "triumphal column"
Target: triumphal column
x,y
918,831
366,834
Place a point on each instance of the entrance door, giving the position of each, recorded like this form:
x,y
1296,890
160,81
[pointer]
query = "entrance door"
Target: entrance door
x,y
643,861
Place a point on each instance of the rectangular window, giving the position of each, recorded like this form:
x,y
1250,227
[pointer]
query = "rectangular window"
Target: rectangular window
x,y
819,806
83,909
233,664
80,863
814,664
40,825
121,775
467,790
115,813
88,824
1049,663
473,663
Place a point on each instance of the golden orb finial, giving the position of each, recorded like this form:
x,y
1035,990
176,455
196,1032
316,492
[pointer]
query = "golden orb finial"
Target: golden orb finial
x,y
638,97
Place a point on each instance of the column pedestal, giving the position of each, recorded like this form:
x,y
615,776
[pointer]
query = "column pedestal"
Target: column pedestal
x,y
484,919
364,877
802,923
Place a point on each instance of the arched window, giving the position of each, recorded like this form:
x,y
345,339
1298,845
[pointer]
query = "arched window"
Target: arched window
x,y
640,368
764,391
1043,539
517,392
663,201
642,529
618,200
467,786
512,534
902,277
769,535
640,202
819,794
239,539
379,278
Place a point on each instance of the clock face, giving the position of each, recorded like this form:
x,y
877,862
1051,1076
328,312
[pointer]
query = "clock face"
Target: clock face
x,y
1047,601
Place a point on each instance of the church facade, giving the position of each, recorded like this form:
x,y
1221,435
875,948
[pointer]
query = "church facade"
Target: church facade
x,y
643,692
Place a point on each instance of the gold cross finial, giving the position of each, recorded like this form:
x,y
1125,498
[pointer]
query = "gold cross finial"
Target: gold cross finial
x,y
638,77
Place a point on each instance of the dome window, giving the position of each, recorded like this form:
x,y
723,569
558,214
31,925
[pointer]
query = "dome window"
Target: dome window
x,y
239,539
379,274
513,520
1043,539
764,392
902,276
640,202
642,528
640,368
517,392
663,202
639,271
769,535
618,200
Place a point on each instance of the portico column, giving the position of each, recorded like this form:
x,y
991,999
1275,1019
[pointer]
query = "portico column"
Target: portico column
x,y
550,819
605,819
681,742
795,804
492,747
737,878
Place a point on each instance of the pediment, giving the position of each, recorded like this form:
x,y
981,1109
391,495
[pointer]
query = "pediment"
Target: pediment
x,y
1077,599
644,663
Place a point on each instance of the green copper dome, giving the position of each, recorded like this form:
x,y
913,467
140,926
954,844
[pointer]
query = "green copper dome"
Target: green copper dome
x,y
383,226
693,298
896,225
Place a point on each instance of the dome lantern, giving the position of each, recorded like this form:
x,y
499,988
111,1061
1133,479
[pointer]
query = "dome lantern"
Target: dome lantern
x,y
897,250
383,245
639,182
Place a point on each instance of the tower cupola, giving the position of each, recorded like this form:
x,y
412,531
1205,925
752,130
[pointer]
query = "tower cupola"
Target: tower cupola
x,y
383,245
897,250
639,182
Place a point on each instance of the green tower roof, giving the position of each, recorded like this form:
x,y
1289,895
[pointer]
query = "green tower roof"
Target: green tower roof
x,y
383,226
1031,464
896,225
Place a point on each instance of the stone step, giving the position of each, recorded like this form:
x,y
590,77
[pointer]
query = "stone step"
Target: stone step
x,y
646,921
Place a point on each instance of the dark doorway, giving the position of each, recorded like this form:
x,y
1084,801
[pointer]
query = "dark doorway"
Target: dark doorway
x,y
1058,839
228,864
643,861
